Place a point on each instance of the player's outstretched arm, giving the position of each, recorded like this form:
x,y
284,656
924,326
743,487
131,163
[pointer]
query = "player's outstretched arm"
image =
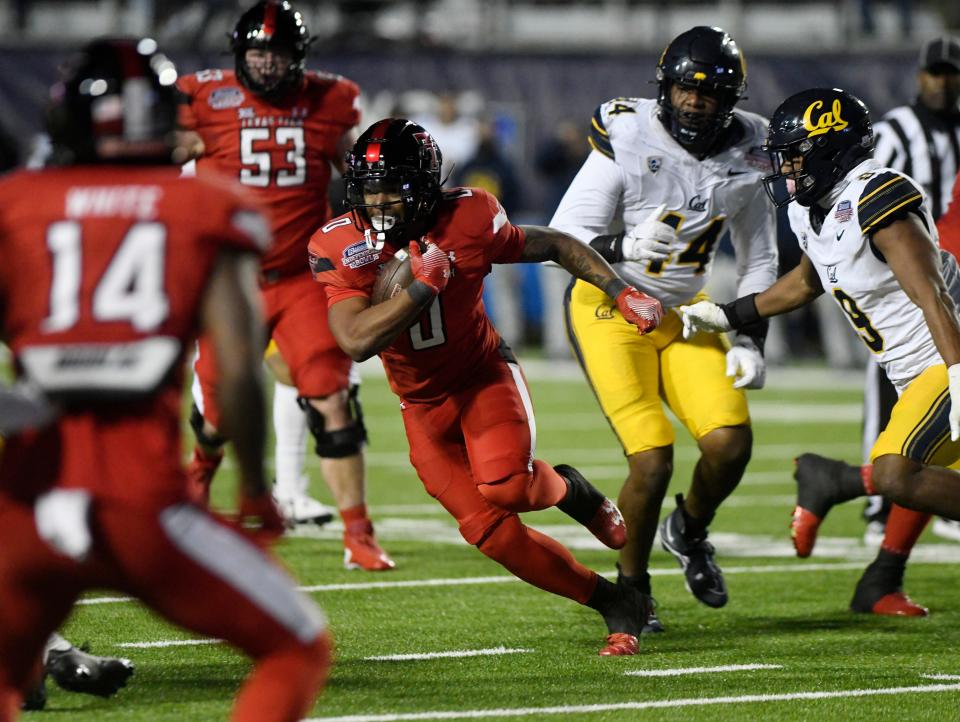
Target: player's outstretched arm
x,y
580,260
362,330
792,290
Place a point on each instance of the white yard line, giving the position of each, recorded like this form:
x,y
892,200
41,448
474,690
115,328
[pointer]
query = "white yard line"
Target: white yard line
x,y
800,568
494,651
940,676
699,670
168,643
653,704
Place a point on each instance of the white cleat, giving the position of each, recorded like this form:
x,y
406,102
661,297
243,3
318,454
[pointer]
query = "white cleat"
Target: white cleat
x,y
303,509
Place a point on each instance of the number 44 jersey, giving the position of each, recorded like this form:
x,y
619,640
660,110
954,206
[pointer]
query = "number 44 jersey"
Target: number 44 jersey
x,y
838,242
452,341
282,149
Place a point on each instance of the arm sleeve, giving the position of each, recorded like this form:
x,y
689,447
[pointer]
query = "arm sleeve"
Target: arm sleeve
x,y
588,207
887,198
753,232
888,148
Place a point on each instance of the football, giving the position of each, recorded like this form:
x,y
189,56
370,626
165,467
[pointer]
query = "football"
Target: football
x,y
394,276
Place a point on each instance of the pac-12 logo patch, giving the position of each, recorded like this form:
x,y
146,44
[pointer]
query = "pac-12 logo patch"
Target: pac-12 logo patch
x,y
654,163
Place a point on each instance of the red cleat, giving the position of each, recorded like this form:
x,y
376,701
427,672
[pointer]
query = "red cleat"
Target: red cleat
x,y
620,644
803,528
200,473
608,526
898,604
361,551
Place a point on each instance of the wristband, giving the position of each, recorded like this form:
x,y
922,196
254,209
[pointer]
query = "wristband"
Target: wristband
x,y
742,312
420,292
610,247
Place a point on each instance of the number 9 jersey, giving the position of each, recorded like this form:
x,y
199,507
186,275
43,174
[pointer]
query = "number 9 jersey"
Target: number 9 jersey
x,y
282,148
855,273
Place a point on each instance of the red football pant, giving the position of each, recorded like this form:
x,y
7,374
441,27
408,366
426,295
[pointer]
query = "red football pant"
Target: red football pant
x,y
473,451
295,309
193,569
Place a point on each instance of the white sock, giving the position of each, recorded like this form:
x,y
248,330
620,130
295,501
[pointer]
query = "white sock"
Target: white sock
x,y
290,429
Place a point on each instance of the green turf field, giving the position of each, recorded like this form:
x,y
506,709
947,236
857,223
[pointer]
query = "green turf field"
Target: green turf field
x,y
784,648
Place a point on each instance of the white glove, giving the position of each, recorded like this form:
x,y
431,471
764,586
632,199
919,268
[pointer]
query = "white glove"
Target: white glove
x,y
649,240
745,361
953,383
703,316
62,519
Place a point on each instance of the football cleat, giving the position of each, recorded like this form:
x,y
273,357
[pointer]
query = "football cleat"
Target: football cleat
x,y
587,505
200,473
648,604
804,526
703,577
76,670
880,590
620,644
361,551
302,509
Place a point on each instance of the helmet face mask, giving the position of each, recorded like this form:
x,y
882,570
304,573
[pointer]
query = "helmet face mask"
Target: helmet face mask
x,y
708,61
116,103
275,26
393,182
815,138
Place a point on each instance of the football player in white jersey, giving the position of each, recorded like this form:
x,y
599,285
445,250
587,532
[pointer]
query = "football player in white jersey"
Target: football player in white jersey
x,y
868,240
674,174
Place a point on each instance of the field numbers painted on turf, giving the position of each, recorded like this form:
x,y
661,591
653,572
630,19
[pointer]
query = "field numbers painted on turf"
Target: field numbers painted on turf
x,y
131,289
252,154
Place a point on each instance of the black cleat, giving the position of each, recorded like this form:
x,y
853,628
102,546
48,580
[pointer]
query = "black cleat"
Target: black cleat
x,y
76,670
880,589
817,479
641,583
704,580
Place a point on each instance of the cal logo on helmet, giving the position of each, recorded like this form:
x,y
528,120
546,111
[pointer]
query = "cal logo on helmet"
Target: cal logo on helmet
x,y
825,122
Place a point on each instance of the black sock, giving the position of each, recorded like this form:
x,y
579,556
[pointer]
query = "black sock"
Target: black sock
x,y
640,582
693,528
604,595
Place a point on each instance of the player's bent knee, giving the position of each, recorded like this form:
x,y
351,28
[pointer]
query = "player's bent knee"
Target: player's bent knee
x,y
728,445
338,443
891,476
202,430
511,493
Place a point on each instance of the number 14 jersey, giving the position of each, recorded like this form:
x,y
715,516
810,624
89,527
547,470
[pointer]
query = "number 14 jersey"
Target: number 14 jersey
x,y
281,149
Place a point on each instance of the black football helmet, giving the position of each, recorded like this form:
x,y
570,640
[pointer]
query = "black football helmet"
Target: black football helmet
x,y
708,59
115,103
274,25
829,129
394,155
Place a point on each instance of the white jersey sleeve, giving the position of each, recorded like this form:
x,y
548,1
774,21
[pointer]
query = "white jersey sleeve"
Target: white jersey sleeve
x,y
590,204
753,233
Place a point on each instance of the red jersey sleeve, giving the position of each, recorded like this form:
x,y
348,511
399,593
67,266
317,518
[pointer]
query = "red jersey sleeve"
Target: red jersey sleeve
x,y
326,258
233,219
506,240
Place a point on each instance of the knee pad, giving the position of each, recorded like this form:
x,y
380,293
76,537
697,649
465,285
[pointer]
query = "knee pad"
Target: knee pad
x,y
509,493
341,443
196,423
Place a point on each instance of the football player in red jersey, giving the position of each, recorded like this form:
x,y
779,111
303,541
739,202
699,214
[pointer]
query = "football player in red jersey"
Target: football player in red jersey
x,y
465,403
280,130
120,262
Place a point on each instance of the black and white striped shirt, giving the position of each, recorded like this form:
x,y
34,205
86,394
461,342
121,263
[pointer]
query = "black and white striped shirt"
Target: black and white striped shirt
x,y
925,146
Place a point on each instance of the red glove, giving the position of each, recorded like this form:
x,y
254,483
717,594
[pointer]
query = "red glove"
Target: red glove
x,y
638,308
260,518
432,267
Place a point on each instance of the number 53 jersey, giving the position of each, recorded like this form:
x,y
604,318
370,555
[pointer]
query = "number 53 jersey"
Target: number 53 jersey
x,y
853,270
282,149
